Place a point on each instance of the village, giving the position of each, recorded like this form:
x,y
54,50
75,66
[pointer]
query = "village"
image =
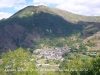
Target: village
x,y
55,53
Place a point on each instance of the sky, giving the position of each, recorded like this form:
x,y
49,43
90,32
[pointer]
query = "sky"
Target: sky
x,y
82,7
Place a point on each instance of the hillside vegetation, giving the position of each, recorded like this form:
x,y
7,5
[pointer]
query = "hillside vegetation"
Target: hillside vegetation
x,y
32,23
40,40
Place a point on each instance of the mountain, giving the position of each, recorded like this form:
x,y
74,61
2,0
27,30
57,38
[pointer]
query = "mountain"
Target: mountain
x,y
32,23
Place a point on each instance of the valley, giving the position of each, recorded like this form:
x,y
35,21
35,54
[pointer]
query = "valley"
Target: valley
x,y
39,40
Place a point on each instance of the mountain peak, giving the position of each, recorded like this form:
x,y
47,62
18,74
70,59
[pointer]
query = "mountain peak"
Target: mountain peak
x,y
42,6
71,17
32,22
27,11
36,6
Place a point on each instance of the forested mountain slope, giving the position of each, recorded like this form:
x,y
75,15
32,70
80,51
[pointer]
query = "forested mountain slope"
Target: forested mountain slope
x,y
32,23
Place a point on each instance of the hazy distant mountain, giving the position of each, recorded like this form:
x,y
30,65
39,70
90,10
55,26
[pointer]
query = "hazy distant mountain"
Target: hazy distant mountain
x,y
34,22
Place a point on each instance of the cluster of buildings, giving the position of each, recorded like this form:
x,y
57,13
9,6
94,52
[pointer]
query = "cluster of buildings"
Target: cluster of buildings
x,y
55,53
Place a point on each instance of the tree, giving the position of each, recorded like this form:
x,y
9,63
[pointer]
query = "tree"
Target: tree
x,y
96,65
18,62
82,48
78,67
73,67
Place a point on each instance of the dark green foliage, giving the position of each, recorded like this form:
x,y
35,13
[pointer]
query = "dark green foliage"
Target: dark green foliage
x,y
17,63
60,44
65,54
63,63
82,48
78,67
74,49
50,42
42,20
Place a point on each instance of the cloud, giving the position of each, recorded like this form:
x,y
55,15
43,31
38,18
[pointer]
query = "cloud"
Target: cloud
x,y
18,7
4,15
49,1
7,7
10,3
36,4
82,7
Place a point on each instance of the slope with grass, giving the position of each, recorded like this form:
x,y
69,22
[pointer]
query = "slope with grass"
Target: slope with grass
x,y
28,26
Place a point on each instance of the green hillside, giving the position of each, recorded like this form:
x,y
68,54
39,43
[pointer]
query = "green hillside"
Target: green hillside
x,y
32,23
38,39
